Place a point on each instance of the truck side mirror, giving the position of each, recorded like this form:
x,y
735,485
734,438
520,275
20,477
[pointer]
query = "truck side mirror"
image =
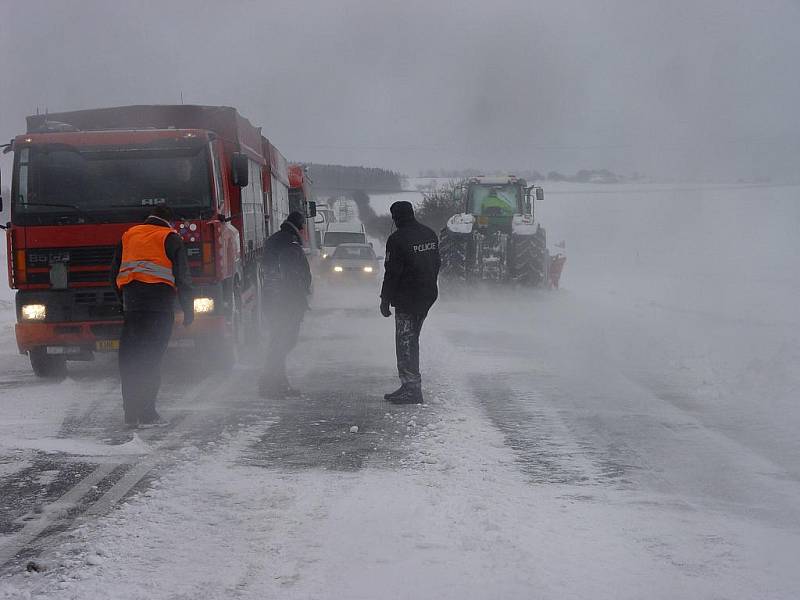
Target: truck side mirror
x,y
312,210
239,169
539,194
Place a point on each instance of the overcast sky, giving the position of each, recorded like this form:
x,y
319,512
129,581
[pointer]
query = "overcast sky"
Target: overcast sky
x,y
688,89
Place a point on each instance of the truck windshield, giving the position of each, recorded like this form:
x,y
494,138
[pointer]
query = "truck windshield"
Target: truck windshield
x,y
109,182
494,200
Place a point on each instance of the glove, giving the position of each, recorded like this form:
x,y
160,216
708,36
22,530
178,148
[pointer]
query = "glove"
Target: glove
x,y
385,308
188,318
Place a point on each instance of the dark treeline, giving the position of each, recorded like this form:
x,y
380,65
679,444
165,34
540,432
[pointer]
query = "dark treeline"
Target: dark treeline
x,y
340,178
377,226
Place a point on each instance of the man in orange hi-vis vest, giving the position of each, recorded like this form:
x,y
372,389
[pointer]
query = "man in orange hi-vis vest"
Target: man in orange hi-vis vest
x,y
150,267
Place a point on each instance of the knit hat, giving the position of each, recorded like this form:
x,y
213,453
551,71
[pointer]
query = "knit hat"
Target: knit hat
x,y
402,210
297,219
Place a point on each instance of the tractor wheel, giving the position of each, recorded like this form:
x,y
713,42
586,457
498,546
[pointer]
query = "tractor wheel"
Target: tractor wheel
x,y
48,366
529,259
454,253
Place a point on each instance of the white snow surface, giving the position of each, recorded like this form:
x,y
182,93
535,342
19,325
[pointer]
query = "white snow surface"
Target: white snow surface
x,y
648,446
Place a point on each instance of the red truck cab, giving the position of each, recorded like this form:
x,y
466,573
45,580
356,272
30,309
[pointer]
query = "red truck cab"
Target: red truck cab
x,y
80,179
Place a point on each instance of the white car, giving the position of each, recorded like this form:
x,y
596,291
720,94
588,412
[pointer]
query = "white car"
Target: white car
x,y
352,263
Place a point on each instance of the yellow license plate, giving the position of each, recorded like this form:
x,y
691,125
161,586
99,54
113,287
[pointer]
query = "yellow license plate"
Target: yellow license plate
x,y
106,345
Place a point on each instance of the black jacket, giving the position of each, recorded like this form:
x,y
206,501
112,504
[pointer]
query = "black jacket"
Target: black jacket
x,y
158,297
287,278
411,268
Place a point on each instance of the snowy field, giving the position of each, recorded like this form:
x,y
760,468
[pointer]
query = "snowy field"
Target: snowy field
x,y
633,435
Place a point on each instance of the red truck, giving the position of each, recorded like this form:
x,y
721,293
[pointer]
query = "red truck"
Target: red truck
x,y
301,200
81,178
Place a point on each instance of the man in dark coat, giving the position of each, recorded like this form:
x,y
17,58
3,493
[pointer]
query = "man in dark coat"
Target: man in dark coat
x,y
287,285
409,284
149,269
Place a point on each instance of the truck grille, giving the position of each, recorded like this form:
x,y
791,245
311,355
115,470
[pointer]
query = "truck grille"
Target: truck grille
x,y
95,297
74,277
83,256
39,259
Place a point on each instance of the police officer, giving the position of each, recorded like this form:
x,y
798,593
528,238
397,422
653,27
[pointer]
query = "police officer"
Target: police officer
x,y
150,267
409,284
287,285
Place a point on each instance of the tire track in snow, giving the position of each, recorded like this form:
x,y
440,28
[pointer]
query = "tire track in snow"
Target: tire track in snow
x,y
58,512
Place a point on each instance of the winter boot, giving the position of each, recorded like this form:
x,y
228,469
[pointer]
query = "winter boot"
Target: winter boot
x,y
154,420
411,395
395,394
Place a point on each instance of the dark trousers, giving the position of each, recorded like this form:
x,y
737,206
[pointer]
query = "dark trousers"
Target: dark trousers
x,y
145,335
283,329
407,327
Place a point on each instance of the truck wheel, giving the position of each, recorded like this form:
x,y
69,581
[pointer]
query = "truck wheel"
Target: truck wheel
x,y
454,253
529,258
237,323
252,330
226,353
48,366
220,354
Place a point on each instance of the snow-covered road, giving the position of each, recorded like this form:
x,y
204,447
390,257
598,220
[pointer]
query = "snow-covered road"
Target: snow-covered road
x,y
631,436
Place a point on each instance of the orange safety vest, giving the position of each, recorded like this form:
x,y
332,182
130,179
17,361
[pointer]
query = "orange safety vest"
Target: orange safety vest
x,y
144,257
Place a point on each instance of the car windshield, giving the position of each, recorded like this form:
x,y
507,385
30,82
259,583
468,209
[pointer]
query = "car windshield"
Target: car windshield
x,y
354,252
105,180
494,200
334,238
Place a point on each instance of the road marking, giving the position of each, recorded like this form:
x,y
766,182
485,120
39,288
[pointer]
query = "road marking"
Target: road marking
x,y
18,541
55,511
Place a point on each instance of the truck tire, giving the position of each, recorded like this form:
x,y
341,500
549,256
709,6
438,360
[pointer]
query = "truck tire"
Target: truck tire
x,y
48,366
529,258
455,256
220,354
252,329
231,346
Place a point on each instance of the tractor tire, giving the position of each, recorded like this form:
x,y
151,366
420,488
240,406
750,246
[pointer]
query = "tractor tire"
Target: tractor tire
x,y
529,259
455,256
48,366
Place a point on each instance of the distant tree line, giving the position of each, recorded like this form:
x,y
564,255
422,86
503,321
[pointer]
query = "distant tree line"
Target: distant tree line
x,y
582,176
340,178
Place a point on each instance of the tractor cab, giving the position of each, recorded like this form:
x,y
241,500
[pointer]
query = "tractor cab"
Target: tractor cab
x,y
494,202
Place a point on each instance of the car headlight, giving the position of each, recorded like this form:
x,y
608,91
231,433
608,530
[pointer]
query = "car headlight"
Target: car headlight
x,y
367,269
338,269
34,312
203,305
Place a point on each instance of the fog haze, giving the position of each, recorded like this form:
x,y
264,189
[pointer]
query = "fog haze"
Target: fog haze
x,y
692,90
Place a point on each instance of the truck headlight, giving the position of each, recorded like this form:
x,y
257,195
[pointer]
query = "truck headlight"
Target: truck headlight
x,y
34,312
338,269
203,305
367,269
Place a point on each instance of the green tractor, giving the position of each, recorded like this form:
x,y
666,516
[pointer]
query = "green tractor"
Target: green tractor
x,y
496,238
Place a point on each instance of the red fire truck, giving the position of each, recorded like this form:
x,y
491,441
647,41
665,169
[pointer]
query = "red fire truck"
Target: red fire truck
x,y
80,179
